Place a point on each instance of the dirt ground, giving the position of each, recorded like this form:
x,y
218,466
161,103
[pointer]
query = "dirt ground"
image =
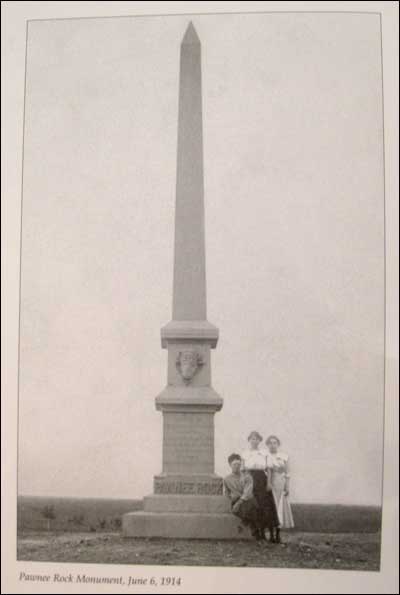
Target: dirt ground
x,y
341,551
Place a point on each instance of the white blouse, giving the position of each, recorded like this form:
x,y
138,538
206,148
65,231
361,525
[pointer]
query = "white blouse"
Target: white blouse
x,y
278,462
254,459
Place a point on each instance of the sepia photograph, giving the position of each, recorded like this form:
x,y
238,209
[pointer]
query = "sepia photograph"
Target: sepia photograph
x,y
201,375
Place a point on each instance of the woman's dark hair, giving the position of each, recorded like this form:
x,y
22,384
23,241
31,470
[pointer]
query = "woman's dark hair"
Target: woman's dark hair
x,y
273,437
256,435
234,457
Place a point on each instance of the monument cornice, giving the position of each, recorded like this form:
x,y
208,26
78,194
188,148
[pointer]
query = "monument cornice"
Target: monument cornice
x,y
189,330
201,399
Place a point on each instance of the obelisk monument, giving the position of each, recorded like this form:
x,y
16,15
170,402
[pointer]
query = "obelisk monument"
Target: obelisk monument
x,y
188,497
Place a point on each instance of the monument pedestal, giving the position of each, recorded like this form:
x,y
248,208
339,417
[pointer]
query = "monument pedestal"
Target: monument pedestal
x,y
188,500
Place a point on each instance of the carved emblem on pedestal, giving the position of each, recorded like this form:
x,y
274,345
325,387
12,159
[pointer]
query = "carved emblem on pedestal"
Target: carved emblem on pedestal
x,y
188,363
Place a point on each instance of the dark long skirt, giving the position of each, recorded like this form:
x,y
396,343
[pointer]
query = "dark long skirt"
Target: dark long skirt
x,y
249,513
265,500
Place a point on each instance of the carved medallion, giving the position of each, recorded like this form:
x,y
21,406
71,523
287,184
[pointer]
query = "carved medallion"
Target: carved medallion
x,y
188,363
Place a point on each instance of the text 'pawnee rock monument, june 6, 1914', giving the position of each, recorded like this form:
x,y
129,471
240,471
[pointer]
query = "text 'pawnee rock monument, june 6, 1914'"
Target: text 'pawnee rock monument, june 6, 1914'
x,y
188,499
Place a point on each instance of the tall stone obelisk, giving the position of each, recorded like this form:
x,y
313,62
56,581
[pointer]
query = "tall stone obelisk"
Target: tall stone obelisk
x,y
187,499
189,403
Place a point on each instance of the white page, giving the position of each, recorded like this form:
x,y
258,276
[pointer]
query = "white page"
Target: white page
x,y
295,202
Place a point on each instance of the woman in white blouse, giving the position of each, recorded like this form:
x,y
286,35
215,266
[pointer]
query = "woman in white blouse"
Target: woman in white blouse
x,y
254,461
279,477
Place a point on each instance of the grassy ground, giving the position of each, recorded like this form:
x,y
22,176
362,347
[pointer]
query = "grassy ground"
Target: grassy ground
x,y
103,514
73,514
340,551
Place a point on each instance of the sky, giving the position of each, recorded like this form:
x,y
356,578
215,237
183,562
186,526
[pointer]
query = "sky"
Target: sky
x,y
293,177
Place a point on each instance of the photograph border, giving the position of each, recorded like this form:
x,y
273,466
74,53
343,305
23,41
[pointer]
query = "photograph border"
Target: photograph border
x,y
383,205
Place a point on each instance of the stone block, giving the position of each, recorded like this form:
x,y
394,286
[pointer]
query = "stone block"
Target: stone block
x,y
188,442
184,525
189,399
188,484
189,330
181,503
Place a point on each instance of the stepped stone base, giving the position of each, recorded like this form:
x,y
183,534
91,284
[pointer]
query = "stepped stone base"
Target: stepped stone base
x,y
185,517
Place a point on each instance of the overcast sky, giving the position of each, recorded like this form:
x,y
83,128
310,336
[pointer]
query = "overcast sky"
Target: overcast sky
x,y
292,121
